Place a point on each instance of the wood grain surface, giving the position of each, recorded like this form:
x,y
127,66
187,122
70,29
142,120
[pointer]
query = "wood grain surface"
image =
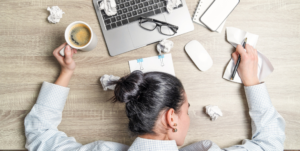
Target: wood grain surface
x,y
27,41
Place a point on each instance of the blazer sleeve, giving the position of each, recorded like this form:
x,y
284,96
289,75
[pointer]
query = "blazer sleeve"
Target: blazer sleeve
x,y
267,124
41,122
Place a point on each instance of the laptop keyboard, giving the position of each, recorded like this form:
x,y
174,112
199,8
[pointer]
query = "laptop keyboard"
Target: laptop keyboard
x,y
131,10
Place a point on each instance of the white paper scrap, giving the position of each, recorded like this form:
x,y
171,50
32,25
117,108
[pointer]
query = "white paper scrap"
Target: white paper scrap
x,y
171,4
109,7
105,79
164,46
213,111
55,14
236,36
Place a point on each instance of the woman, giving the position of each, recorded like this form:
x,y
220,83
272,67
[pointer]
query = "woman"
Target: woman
x,y
157,108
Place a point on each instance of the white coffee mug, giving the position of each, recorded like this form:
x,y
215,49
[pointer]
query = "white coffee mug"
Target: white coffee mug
x,y
88,47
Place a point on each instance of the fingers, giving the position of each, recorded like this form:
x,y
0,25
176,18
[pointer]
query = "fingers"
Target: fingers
x,y
249,49
56,51
68,54
235,56
240,50
74,50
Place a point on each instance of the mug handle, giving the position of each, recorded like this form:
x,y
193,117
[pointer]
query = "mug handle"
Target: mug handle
x,y
62,51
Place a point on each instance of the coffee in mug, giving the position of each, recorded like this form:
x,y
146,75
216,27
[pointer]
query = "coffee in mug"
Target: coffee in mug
x,y
80,35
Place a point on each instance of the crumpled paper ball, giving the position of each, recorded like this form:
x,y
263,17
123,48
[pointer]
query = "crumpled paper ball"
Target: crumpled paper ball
x,y
109,7
105,79
55,14
171,4
164,46
213,111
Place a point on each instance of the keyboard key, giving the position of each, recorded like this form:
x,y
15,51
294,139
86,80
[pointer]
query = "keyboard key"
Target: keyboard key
x,y
151,2
135,18
145,9
113,20
155,6
106,17
113,25
119,23
122,5
107,22
156,1
140,5
135,7
163,9
122,1
118,17
150,8
118,7
134,13
108,27
132,2
118,1
139,11
129,15
125,10
143,0
137,1
157,11
123,16
130,9
146,4
127,4
119,12
160,4
180,5
124,21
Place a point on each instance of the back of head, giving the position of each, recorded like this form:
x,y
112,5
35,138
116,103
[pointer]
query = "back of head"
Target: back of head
x,y
146,95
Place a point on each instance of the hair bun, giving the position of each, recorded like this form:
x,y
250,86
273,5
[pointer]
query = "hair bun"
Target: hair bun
x,y
128,87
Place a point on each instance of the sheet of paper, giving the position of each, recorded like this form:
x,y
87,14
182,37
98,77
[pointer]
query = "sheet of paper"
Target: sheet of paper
x,y
161,63
201,8
236,36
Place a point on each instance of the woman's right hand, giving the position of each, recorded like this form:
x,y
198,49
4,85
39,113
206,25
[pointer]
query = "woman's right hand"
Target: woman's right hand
x,y
67,63
247,69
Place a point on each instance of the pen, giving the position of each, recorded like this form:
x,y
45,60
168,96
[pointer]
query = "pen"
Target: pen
x,y
238,61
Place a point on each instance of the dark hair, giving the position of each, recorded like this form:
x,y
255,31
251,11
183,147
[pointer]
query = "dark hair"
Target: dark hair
x,y
146,95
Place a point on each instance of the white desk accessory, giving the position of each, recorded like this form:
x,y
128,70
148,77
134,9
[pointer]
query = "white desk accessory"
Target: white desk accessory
x,y
161,63
217,13
199,55
201,8
236,36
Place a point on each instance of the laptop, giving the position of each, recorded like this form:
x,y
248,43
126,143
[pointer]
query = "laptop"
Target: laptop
x,y
122,32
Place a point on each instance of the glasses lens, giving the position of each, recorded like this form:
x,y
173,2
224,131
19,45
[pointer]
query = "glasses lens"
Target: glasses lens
x,y
166,30
148,25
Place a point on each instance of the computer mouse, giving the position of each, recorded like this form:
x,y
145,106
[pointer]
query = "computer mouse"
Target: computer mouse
x,y
199,55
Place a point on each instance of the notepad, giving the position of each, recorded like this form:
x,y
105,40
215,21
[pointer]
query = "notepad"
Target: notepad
x,y
200,10
161,63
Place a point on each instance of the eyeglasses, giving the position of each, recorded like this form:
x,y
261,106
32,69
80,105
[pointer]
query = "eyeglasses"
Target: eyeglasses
x,y
164,28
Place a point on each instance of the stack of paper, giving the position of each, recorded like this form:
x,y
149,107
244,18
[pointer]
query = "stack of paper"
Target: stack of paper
x,y
161,63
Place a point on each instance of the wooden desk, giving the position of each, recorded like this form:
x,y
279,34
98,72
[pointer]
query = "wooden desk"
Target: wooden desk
x,y
27,41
